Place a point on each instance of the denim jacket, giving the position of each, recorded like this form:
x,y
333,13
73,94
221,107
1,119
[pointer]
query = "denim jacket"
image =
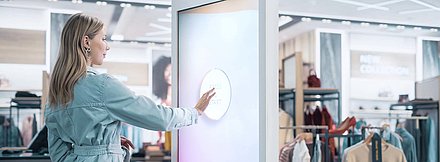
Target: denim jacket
x,y
88,128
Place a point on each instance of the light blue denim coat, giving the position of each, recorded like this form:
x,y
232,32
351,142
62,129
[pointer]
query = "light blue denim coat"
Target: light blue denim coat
x,y
88,129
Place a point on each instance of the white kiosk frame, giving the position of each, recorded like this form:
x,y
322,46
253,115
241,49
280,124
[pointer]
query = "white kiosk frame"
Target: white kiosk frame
x,y
268,73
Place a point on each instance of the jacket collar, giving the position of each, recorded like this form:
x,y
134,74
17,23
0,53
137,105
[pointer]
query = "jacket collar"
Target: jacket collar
x,y
92,70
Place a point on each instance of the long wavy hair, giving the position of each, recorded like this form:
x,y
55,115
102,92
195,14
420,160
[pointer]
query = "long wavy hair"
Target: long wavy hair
x,y
160,85
71,63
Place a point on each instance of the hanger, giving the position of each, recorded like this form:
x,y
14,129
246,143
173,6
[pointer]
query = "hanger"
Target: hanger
x,y
370,137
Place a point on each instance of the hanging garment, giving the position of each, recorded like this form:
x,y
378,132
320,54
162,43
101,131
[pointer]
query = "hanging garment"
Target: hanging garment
x,y
317,150
362,153
286,152
392,138
285,135
408,144
344,155
432,141
10,136
308,116
317,117
328,121
26,130
300,152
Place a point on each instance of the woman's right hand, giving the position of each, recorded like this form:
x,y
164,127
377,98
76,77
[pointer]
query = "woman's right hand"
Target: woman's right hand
x,y
204,101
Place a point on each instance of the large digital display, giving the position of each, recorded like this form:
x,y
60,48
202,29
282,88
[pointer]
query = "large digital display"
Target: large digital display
x,y
218,47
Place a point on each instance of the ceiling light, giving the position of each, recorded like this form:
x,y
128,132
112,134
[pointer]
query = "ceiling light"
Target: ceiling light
x,y
306,19
417,28
125,5
326,21
100,3
383,25
346,22
149,7
400,27
284,20
151,43
133,42
365,24
169,8
433,29
80,1
167,44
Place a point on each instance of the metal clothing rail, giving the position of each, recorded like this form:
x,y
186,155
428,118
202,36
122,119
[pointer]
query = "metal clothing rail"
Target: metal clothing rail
x,y
314,128
418,133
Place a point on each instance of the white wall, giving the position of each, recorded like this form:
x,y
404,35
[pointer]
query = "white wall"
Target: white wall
x,y
361,88
23,76
381,43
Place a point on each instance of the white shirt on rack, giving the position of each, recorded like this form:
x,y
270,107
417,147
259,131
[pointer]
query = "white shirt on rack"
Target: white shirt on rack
x,y
301,152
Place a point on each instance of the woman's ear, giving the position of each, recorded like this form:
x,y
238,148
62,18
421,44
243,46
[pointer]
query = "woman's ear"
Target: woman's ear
x,y
86,40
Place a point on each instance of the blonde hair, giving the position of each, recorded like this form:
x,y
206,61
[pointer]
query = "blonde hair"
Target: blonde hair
x,y
71,64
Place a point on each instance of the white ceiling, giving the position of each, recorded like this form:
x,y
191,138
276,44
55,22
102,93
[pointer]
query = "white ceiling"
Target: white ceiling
x,y
135,23
424,13
138,23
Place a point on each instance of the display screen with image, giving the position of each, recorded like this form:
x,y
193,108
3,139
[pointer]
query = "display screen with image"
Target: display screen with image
x,y
218,47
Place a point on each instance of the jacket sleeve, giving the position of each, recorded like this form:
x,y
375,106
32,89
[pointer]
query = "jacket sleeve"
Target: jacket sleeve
x,y
58,149
122,104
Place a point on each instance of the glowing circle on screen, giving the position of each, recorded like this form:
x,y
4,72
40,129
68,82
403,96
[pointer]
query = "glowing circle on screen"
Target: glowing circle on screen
x,y
219,104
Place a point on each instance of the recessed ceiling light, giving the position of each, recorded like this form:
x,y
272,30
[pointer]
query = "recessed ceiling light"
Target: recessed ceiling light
x,y
169,8
383,25
433,29
417,28
306,19
400,27
101,3
326,21
125,5
365,24
149,7
346,22
151,43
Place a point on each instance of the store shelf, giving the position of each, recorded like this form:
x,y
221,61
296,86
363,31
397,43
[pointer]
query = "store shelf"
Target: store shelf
x,y
320,91
416,105
381,112
311,99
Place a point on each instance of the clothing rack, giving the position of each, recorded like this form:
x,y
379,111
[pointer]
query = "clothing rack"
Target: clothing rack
x,y
416,118
313,128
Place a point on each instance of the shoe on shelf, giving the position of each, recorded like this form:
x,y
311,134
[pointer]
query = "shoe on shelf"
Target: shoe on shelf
x,y
344,126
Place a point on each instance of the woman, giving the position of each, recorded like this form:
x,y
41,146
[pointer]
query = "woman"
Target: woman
x,y
85,108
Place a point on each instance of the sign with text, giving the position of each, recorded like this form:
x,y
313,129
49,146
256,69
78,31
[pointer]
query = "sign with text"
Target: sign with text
x,y
382,65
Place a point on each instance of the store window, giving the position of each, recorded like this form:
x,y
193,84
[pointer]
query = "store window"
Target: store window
x,y
431,59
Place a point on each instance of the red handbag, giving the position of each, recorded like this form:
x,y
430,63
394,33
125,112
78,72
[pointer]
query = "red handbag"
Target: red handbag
x,y
313,80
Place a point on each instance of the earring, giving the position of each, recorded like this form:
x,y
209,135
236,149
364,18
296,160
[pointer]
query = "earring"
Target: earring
x,y
88,50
